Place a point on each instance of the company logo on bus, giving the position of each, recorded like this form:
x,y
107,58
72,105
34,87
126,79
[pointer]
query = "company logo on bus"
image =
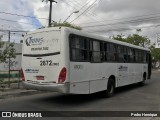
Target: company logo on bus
x,y
34,41
123,68
31,70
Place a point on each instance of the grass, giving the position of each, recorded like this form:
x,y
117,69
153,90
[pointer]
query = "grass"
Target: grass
x,y
1,81
6,82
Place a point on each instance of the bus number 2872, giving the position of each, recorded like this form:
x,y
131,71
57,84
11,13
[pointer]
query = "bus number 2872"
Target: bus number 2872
x,y
46,63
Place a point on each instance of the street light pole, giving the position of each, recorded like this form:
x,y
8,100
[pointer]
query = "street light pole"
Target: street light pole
x,y
70,15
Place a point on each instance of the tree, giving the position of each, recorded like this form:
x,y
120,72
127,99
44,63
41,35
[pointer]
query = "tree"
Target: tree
x,y
119,38
134,39
66,24
155,55
138,40
6,50
142,41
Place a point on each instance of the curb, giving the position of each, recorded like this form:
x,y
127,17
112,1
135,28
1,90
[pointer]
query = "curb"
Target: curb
x,y
156,71
17,93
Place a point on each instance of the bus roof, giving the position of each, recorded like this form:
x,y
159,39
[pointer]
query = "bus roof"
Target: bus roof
x,y
89,35
82,33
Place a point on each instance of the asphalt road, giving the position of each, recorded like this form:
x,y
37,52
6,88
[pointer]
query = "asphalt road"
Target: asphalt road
x,y
129,98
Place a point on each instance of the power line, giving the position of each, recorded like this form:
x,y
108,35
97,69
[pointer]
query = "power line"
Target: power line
x,y
86,14
123,29
85,5
78,4
93,15
84,11
13,31
81,7
129,18
92,6
124,22
22,15
15,21
122,18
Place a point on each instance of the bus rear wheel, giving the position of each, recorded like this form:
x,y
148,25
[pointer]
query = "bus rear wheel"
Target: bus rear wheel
x,y
144,80
110,88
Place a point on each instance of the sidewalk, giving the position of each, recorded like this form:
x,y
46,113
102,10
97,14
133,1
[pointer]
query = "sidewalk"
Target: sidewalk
x,y
156,70
14,91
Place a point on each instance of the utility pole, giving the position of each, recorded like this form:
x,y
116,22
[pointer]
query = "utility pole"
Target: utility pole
x,y
50,11
9,64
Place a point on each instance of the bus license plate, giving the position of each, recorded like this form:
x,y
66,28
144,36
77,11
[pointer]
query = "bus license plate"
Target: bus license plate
x,y
40,77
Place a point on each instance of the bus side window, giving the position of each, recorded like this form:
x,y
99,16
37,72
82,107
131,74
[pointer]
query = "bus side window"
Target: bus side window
x,y
134,55
111,52
125,59
147,57
144,57
78,48
90,50
130,55
95,51
137,56
105,51
120,54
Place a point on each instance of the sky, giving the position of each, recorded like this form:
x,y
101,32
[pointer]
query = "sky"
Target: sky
x,y
101,17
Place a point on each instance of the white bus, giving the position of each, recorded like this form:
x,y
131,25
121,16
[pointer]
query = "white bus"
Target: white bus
x,y
71,61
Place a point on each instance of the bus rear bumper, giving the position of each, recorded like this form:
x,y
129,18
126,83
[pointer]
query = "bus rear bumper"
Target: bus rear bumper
x,y
63,88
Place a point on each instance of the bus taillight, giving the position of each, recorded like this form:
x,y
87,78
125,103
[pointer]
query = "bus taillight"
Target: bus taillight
x,y
62,75
22,75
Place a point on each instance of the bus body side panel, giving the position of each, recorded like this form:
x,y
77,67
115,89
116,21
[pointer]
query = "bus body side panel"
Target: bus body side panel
x,y
138,75
122,74
136,71
79,77
78,74
132,74
145,70
87,78
98,81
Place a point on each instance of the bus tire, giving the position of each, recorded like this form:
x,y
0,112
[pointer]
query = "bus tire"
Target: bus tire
x,y
144,80
110,88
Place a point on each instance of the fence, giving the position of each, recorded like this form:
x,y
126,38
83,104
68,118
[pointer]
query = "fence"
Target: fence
x,y
7,79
